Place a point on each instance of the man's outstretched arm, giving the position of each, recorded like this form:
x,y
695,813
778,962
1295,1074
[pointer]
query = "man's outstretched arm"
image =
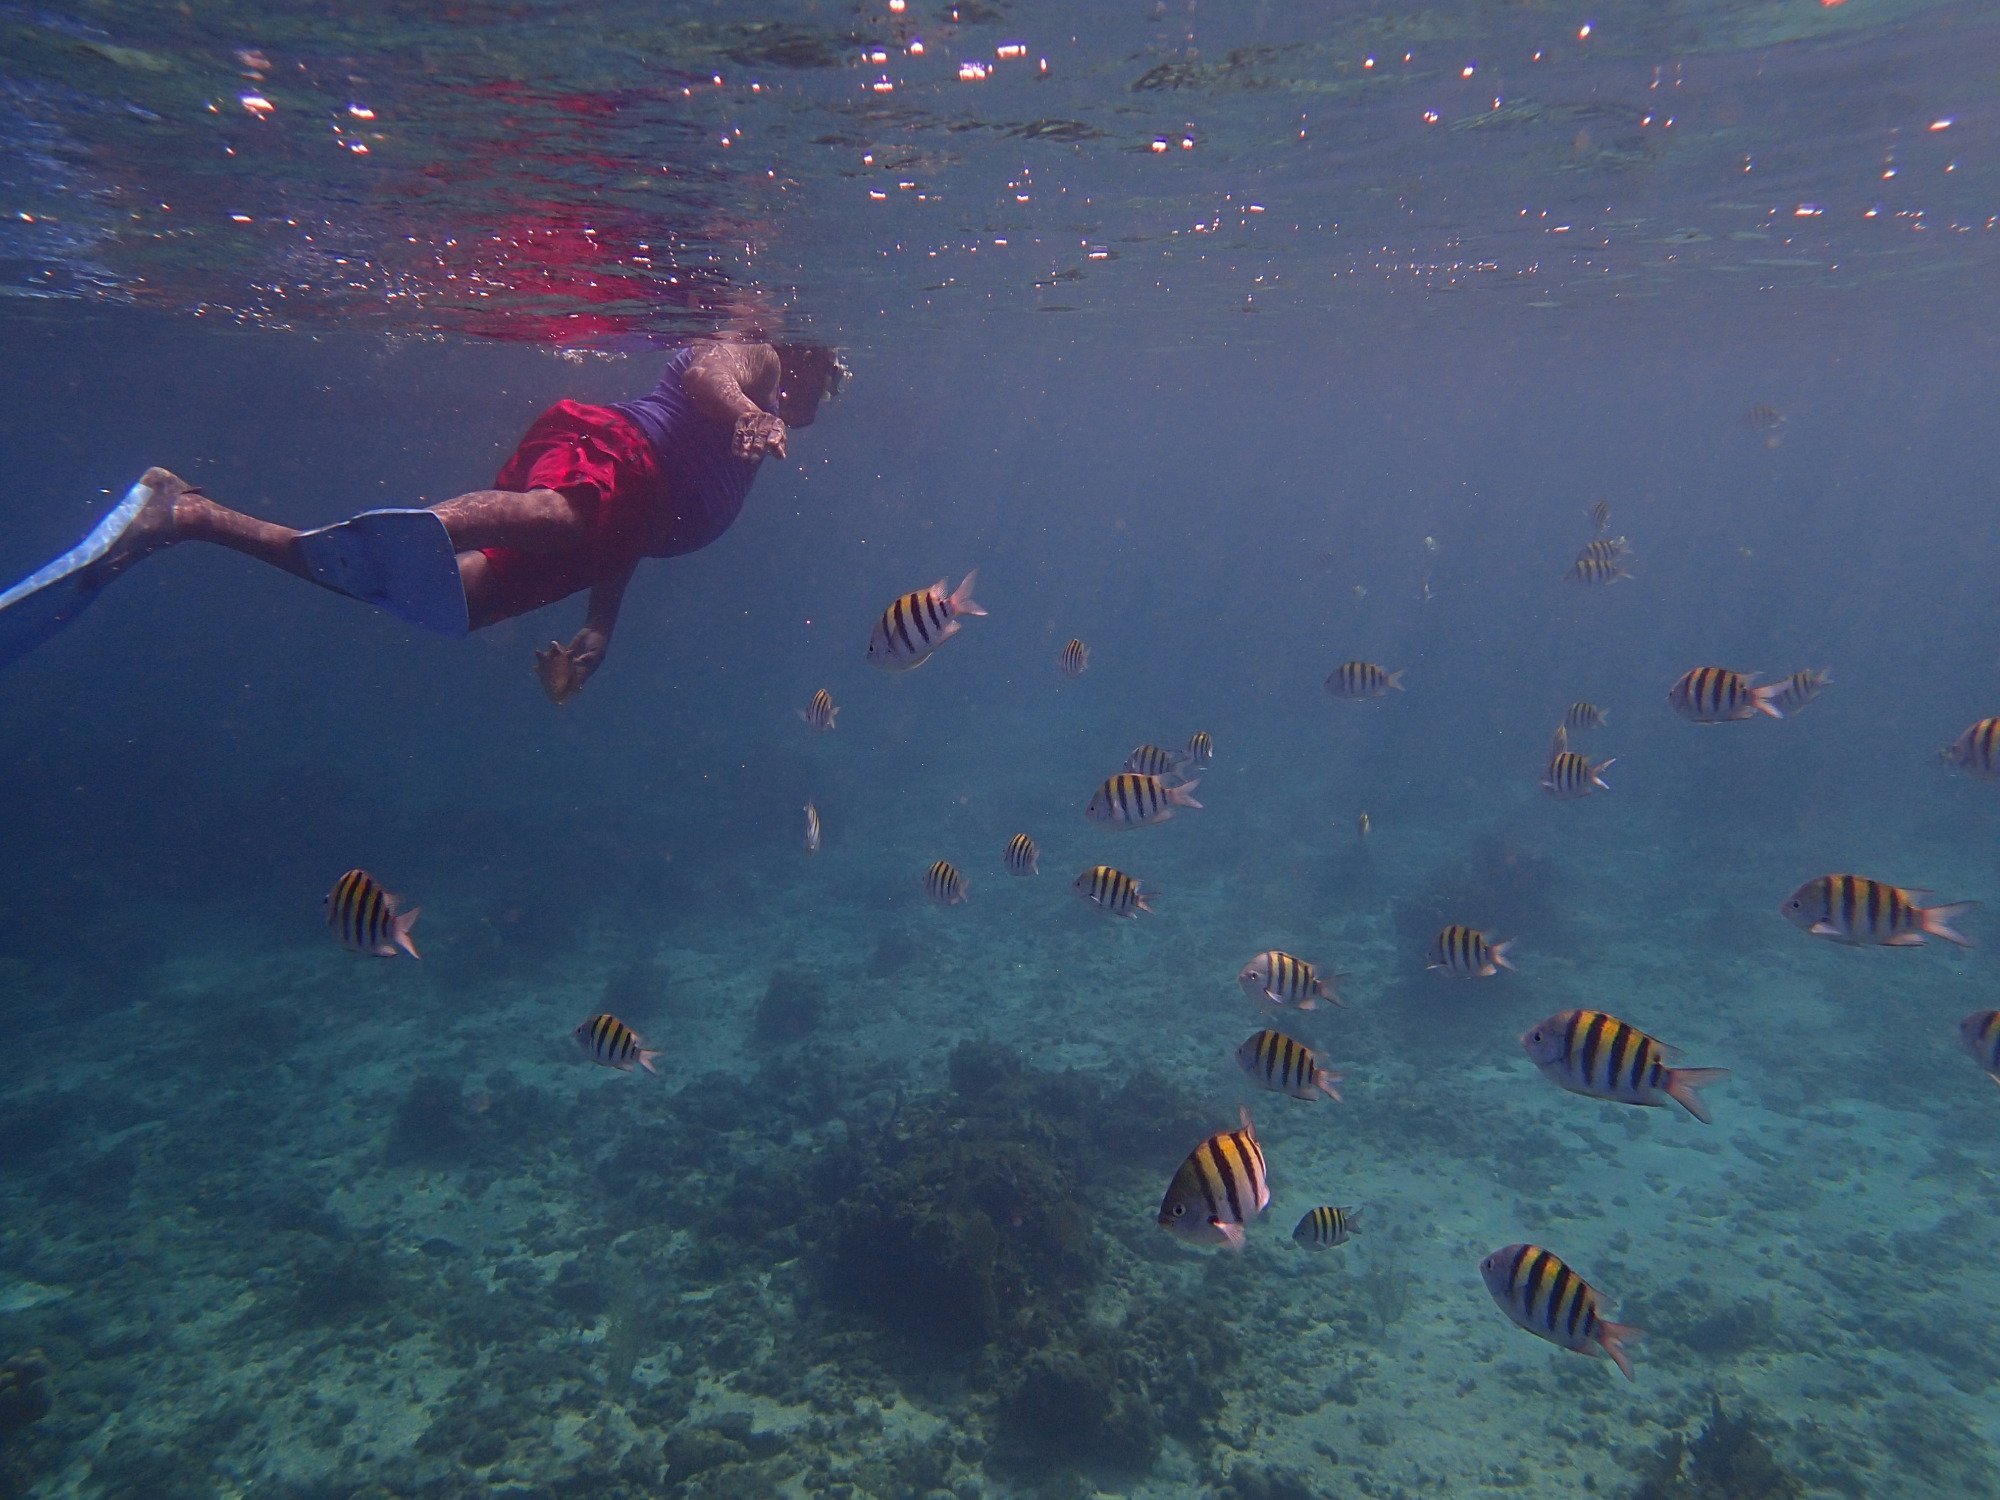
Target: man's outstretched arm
x,y
718,381
565,669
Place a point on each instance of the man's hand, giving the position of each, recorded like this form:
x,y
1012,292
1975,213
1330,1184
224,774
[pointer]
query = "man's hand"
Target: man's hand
x,y
564,670
758,432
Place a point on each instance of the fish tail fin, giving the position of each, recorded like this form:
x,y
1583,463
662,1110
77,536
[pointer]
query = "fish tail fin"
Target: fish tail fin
x,y
1937,920
1597,771
1614,1337
1396,680
1324,988
1183,795
1763,697
1681,1086
1325,1079
646,1060
405,920
1349,1216
1498,953
962,602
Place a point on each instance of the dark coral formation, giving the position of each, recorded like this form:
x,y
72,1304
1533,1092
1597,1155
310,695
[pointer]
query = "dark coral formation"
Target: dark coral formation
x,y
1728,1460
24,1400
794,1003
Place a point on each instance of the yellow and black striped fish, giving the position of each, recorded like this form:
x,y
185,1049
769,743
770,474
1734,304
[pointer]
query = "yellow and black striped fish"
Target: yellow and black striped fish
x,y
1716,695
1022,857
944,884
1597,570
1129,800
1362,679
1286,1066
821,712
1465,952
1854,909
1979,1033
1799,689
1544,1296
1074,660
1326,1226
1571,775
1200,750
1600,514
1977,751
1605,549
1584,715
611,1042
367,919
1280,978
1218,1189
1157,760
1112,891
918,623
1602,1057
812,832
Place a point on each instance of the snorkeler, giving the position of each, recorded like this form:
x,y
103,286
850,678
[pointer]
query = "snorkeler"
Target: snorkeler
x,y
589,491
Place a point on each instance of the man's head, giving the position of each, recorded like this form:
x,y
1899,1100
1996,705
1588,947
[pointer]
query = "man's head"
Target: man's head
x,y
808,374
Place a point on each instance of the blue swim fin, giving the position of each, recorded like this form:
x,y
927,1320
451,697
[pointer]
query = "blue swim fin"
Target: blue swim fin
x,y
38,606
398,560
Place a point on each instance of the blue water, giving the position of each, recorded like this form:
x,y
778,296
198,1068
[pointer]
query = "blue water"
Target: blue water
x,y
287,1221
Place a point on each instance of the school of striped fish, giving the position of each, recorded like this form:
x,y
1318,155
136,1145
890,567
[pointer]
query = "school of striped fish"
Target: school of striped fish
x,y
1223,1185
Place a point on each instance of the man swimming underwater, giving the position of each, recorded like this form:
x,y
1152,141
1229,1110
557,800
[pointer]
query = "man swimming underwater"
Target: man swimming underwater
x,y
589,491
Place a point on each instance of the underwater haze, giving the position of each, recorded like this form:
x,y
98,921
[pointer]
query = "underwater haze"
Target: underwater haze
x,y
1234,342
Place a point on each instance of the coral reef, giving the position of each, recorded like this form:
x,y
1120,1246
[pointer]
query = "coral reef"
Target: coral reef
x,y
790,1010
1728,1460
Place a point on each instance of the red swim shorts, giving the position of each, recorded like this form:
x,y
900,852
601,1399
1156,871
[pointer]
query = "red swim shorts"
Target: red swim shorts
x,y
604,465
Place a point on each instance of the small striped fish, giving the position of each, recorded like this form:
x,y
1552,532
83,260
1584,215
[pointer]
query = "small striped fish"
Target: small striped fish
x,y
611,1042
1597,570
1799,689
1200,750
821,712
1602,1057
1326,1226
918,623
1286,1066
1282,979
1544,1296
1584,715
1112,891
1465,952
1605,549
1362,679
812,829
943,883
1855,909
1977,750
1716,695
367,919
1218,1189
1600,514
1156,760
1571,775
1074,660
1129,800
1980,1035
1022,857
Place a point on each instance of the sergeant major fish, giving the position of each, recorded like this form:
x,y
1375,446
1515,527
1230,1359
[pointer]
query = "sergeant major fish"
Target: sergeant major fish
x,y
811,838
1200,750
1716,695
611,1042
1074,660
1979,1034
821,712
1544,1296
916,624
1854,909
1112,891
1129,800
1326,1226
943,884
1021,857
368,919
1466,953
1602,1057
1286,1066
1799,689
1355,680
1583,715
1218,1189
1281,979
1156,760
1977,751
